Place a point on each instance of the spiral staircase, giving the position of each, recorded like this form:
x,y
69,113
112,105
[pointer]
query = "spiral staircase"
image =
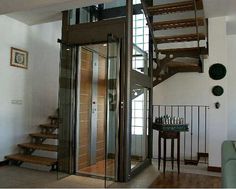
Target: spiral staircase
x,y
179,35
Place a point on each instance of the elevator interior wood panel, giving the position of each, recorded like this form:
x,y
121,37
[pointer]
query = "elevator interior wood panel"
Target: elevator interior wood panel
x,y
92,109
85,108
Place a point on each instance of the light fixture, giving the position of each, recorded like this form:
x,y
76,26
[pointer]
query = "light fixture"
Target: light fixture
x,y
104,45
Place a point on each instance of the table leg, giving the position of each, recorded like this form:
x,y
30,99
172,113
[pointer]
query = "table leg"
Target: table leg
x,y
159,152
178,152
172,152
164,159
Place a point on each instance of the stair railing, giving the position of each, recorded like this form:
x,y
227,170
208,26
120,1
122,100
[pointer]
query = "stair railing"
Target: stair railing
x,y
194,143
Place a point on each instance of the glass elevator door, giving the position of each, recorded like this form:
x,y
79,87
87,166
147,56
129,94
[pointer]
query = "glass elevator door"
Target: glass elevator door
x,y
112,108
98,110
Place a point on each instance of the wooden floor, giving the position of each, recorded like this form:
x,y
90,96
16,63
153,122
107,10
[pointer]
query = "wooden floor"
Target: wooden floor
x,y
186,180
99,168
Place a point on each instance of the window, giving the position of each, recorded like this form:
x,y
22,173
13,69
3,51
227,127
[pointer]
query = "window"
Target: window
x,y
141,41
140,100
137,115
140,32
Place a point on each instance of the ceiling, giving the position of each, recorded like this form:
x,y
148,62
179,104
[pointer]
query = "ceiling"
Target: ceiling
x,y
41,11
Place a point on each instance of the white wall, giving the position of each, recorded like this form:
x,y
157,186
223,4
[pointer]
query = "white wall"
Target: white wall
x,y
195,89
35,88
231,40
218,121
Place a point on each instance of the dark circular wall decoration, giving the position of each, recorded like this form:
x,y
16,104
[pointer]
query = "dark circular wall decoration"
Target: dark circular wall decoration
x,y
217,90
217,71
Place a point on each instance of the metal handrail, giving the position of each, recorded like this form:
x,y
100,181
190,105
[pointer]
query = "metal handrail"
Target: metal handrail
x,y
197,117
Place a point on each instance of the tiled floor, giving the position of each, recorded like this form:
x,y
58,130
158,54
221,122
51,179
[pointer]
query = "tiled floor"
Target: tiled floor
x,y
11,176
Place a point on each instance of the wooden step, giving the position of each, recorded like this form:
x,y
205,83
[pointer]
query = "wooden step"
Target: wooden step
x,y
179,38
174,7
32,159
184,23
45,147
49,126
42,135
184,67
178,64
193,51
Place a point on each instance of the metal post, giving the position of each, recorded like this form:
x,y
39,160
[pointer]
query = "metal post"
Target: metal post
x,y
125,135
191,133
205,128
198,126
150,131
184,132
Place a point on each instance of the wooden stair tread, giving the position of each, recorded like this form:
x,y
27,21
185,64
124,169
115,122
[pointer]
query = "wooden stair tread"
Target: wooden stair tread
x,y
182,50
183,23
179,38
45,147
174,7
42,135
181,64
49,126
32,159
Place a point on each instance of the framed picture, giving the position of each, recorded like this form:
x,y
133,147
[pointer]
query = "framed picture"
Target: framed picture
x,y
19,58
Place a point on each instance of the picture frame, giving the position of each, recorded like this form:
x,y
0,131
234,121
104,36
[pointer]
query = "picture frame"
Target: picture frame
x,y
19,58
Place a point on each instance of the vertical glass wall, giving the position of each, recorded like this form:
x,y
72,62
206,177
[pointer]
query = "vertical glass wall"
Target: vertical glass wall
x,y
67,111
140,60
95,13
112,105
140,91
139,125
114,4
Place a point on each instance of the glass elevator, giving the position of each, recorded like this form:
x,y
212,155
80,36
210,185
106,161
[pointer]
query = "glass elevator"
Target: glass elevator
x,y
105,94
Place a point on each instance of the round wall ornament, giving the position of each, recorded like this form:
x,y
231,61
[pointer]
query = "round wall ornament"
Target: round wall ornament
x,y
217,90
217,71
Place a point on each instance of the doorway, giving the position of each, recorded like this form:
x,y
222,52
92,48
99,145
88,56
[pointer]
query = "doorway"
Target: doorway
x,y
98,110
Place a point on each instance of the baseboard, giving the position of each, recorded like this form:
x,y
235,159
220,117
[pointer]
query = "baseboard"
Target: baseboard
x,y
214,169
4,163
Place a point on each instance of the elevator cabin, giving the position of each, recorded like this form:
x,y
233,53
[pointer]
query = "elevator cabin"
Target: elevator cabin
x,y
104,103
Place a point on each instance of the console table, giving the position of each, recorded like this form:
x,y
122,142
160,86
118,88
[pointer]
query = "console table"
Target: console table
x,y
169,131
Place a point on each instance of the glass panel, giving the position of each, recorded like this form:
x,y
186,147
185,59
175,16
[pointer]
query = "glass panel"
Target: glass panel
x,y
93,13
114,4
140,61
139,142
67,92
112,109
